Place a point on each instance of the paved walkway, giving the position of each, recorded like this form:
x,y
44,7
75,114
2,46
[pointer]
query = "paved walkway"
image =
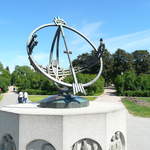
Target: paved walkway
x,y
109,96
9,98
138,129
138,132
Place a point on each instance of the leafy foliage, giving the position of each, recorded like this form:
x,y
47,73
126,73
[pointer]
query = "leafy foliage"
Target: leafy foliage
x,y
96,89
130,84
5,78
108,61
128,71
118,63
122,62
141,59
32,82
137,93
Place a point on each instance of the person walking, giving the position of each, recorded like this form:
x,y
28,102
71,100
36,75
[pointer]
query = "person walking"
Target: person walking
x,y
25,97
20,97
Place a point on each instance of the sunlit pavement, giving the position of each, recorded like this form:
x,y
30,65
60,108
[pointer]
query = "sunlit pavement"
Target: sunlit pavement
x,y
138,132
9,98
138,129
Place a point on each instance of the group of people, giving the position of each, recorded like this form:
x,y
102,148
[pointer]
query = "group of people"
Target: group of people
x,y
22,97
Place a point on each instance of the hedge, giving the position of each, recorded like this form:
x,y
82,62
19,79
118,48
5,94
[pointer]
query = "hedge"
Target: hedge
x,y
39,92
130,84
96,89
137,93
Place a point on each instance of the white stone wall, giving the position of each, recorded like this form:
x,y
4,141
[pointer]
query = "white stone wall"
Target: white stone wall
x,y
9,124
64,127
34,127
91,126
116,121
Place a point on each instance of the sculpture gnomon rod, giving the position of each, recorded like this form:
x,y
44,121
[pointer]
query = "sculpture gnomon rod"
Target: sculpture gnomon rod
x,y
54,72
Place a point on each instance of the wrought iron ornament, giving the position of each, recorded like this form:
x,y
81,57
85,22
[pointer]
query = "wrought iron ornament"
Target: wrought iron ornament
x,y
53,70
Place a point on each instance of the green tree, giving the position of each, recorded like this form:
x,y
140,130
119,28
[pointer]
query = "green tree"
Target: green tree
x,y
88,61
119,84
21,76
4,78
1,66
141,59
123,62
108,62
131,84
95,89
129,80
27,79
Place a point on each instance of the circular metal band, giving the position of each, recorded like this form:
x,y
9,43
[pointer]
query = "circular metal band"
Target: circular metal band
x,y
38,68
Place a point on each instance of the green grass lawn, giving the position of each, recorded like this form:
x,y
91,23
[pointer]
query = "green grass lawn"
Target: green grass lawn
x,y
35,98
145,98
135,109
1,96
90,98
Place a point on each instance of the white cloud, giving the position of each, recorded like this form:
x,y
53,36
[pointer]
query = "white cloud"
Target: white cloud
x,y
92,32
41,56
91,29
129,42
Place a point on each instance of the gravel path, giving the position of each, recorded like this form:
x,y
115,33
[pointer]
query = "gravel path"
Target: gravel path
x,y
138,129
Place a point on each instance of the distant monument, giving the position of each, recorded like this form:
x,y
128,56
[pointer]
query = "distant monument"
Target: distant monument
x,y
64,121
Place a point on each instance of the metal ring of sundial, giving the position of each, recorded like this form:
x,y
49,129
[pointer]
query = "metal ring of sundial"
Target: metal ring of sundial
x,y
31,43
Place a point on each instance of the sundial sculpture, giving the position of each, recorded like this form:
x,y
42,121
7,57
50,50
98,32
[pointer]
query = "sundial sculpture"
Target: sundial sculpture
x,y
55,72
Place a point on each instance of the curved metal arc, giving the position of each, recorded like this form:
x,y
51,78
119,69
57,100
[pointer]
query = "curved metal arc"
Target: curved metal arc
x,y
57,52
52,47
50,77
57,47
71,66
74,30
33,62
34,31
65,26
97,77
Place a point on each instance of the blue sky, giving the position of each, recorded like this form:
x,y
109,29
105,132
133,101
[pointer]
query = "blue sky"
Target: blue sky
x,y
122,24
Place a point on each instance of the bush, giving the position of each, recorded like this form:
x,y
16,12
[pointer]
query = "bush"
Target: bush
x,y
130,84
137,93
4,79
95,89
34,83
39,92
119,84
3,84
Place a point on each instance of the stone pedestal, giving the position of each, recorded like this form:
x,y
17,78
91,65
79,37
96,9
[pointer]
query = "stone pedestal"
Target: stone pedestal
x,y
100,126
